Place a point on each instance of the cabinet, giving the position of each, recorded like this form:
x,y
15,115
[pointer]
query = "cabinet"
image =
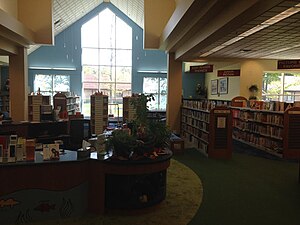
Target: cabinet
x,y
99,113
67,103
207,126
35,103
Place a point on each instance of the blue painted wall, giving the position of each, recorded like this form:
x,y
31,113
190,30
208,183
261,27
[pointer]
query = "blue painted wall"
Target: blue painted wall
x,y
66,53
189,83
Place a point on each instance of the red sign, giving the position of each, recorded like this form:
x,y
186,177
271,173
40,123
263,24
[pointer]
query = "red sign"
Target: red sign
x,y
288,64
201,69
229,73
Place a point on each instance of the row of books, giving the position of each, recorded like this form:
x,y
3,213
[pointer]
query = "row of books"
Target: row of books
x,y
197,143
261,117
199,115
195,123
260,129
259,141
203,135
204,104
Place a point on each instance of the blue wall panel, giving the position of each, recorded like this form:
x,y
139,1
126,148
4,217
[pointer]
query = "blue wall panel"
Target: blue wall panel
x,y
66,53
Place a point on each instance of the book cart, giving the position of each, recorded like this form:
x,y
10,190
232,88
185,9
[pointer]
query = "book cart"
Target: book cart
x,y
207,125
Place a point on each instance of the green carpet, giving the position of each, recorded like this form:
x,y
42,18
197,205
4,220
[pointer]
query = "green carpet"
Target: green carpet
x,y
184,196
245,190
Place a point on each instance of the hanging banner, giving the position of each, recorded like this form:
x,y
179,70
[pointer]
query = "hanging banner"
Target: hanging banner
x,y
288,64
229,73
201,69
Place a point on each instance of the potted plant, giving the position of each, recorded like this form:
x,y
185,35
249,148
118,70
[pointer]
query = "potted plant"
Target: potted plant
x,y
143,138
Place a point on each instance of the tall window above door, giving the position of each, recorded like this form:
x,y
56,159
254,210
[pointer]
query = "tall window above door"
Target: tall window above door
x,y
106,60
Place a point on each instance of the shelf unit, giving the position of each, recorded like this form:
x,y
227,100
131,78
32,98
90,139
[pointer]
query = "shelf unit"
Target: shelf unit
x,y
34,106
129,112
4,102
261,129
99,113
68,103
207,125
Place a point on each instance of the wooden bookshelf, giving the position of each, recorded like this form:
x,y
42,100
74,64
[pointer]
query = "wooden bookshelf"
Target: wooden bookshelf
x,y
99,113
207,126
34,106
67,102
4,102
129,112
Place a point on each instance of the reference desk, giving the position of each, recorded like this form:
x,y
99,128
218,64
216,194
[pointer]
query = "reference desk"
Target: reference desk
x,y
70,186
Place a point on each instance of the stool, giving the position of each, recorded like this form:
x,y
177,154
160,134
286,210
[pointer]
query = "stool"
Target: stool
x,y
176,144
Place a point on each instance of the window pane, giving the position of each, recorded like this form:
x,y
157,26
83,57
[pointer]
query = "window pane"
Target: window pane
x,y
123,74
153,105
123,90
61,83
89,33
91,86
123,58
90,73
163,85
124,35
108,89
107,57
44,82
107,29
163,102
107,74
90,56
150,85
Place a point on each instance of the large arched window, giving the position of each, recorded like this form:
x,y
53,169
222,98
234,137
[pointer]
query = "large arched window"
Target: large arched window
x,y
106,42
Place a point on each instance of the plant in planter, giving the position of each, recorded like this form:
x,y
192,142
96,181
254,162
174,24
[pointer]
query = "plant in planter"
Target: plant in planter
x,y
144,136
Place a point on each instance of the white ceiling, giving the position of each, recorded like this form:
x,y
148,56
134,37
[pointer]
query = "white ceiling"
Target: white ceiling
x,y
66,12
203,29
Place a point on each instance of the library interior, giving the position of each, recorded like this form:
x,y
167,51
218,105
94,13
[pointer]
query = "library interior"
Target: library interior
x,y
100,101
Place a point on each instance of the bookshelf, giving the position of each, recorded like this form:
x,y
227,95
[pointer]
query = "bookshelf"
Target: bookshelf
x,y
67,102
207,126
35,102
129,112
4,102
268,126
99,113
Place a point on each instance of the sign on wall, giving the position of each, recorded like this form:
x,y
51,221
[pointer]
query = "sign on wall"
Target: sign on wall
x,y
229,73
201,69
288,64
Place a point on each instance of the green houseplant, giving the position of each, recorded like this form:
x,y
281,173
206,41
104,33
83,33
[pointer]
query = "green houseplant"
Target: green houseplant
x,y
144,136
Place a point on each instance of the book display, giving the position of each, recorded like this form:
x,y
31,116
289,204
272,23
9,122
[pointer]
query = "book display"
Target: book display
x,y
34,106
99,113
207,125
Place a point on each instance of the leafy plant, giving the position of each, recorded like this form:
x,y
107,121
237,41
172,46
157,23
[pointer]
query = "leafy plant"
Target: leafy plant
x,y
145,135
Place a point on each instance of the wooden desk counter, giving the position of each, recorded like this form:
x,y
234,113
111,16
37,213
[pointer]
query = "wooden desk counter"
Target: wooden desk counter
x,y
68,187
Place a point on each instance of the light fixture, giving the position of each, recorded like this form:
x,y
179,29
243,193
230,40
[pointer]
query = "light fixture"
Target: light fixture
x,y
52,68
275,19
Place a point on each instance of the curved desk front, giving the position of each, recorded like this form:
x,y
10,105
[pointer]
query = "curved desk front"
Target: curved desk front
x,y
70,187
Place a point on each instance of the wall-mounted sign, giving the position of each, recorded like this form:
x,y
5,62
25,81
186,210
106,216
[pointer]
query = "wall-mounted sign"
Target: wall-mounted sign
x,y
288,64
229,73
201,69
